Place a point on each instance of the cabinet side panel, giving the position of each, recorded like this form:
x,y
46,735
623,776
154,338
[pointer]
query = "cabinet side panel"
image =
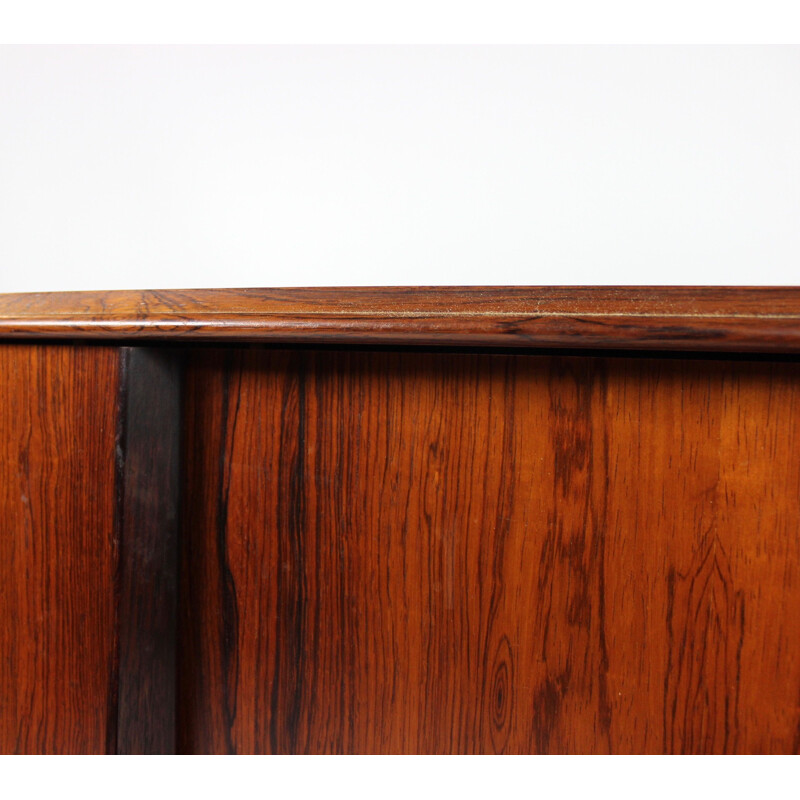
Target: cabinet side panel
x,y
389,552
57,548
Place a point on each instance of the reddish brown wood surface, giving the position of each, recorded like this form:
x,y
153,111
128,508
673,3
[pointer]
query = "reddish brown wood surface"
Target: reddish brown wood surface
x,y
57,549
690,318
446,553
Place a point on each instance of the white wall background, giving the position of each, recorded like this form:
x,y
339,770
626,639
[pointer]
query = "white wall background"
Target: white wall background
x,y
149,167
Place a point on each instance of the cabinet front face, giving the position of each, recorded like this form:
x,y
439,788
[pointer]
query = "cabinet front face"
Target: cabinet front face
x,y
58,552
455,552
387,544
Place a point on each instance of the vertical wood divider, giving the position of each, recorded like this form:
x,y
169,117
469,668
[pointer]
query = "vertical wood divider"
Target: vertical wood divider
x,y
148,502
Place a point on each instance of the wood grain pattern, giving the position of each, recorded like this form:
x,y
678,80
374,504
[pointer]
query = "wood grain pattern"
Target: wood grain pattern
x,y
455,553
653,318
57,549
149,488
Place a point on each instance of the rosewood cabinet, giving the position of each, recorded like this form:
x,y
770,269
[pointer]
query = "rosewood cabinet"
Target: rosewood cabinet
x,y
528,520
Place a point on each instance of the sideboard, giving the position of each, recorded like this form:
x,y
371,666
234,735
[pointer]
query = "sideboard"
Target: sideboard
x,y
400,520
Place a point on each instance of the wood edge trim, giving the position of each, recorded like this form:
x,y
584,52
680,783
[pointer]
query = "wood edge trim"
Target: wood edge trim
x,y
760,319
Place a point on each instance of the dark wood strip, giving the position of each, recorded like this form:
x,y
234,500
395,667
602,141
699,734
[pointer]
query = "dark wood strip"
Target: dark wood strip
x,y
744,319
148,499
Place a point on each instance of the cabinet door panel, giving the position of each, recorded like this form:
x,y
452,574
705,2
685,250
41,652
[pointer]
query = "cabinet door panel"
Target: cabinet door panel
x,y
455,552
57,548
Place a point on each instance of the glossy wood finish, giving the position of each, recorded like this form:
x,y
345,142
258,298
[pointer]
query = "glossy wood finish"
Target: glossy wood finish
x,y
401,550
57,549
652,318
148,483
420,552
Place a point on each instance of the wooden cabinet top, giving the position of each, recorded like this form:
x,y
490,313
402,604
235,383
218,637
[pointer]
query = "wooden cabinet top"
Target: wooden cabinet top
x,y
732,319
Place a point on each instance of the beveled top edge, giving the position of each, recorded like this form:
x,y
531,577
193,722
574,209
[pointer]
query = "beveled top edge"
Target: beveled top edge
x,y
389,300
648,317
